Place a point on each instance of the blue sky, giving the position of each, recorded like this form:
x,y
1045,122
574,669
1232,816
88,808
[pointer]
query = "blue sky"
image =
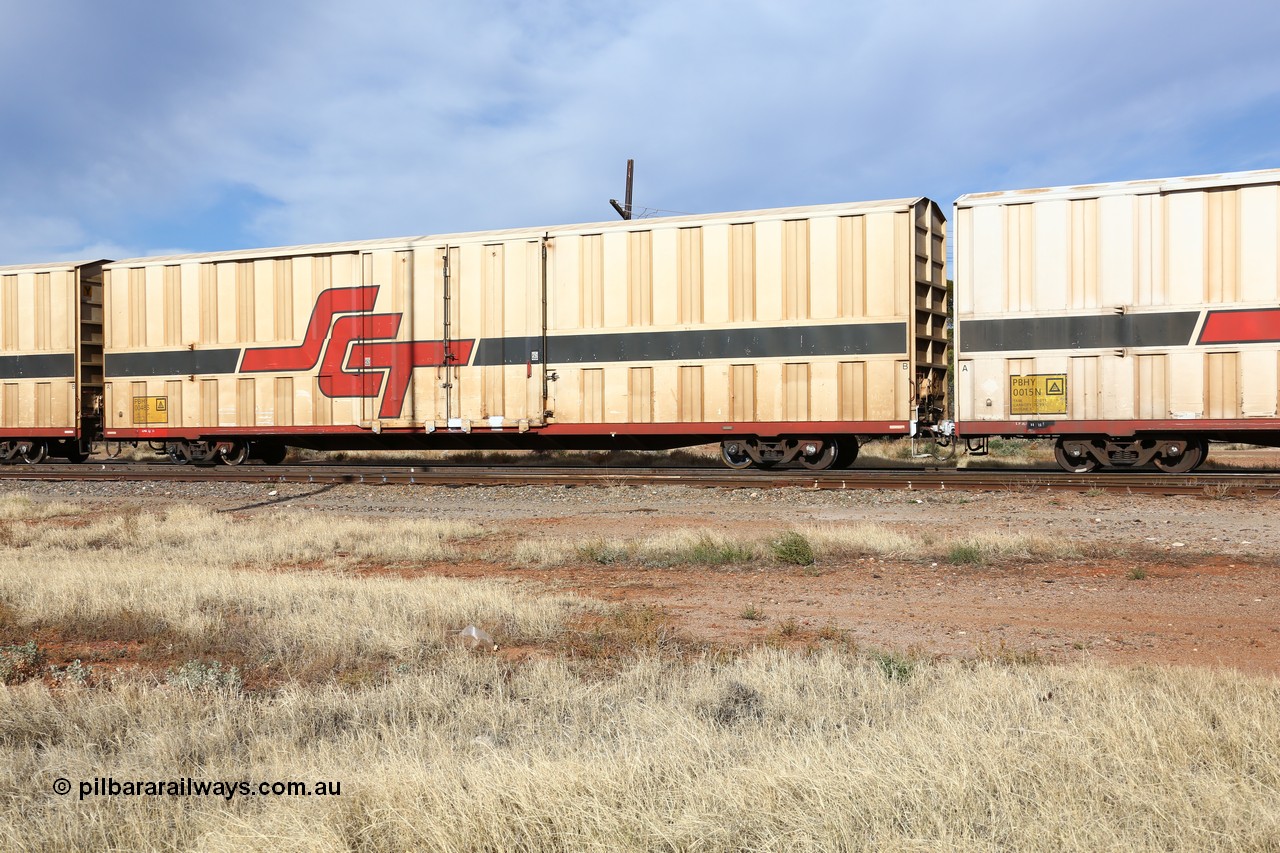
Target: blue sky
x,y
132,128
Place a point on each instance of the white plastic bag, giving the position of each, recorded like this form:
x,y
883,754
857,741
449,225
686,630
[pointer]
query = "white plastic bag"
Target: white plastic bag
x,y
476,638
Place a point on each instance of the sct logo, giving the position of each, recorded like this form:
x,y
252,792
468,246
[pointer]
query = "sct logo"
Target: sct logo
x,y
357,350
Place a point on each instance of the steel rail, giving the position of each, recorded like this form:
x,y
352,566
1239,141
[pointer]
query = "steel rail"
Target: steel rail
x,y
1209,483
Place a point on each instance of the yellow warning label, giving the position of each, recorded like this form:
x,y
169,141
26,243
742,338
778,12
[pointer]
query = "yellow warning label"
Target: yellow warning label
x,y
1039,394
151,410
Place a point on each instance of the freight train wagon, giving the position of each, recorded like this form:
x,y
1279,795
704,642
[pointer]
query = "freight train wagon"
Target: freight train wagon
x,y
50,360
782,334
1131,322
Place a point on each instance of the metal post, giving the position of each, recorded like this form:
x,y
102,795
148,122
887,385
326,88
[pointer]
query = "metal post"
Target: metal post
x,y
624,210
631,166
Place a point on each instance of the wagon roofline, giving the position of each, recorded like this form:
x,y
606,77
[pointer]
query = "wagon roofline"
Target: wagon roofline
x,y
52,266
1143,187
532,233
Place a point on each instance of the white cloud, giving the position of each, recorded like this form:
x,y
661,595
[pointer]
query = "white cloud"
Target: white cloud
x,y
332,121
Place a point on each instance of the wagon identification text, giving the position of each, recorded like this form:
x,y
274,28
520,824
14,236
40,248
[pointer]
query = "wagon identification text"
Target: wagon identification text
x,y
151,410
1038,394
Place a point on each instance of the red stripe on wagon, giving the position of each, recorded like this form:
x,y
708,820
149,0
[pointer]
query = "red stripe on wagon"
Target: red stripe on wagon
x,y
1241,327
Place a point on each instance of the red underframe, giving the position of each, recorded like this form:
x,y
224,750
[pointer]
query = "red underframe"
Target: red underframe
x,y
1115,428
42,432
712,431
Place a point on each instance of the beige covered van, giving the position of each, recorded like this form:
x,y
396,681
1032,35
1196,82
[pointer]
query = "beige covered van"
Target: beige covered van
x,y
786,334
1132,321
50,382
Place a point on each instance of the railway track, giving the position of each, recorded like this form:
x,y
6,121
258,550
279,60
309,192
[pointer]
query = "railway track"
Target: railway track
x,y
1209,483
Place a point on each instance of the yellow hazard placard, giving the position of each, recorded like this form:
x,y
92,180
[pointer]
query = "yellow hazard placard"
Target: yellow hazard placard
x,y
1038,394
151,410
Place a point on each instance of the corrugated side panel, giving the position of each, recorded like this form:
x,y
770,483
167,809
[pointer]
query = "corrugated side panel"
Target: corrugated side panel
x,y
37,349
495,299
1112,291
711,309
698,320
182,331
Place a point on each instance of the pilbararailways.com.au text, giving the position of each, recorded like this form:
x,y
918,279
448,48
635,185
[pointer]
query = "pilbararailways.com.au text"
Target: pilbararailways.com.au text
x,y
187,787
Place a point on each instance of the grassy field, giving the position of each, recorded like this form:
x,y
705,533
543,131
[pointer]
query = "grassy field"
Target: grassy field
x,y
268,649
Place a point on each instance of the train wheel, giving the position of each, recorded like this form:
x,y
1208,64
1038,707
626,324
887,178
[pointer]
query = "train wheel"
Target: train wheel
x,y
72,450
9,451
238,453
270,453
1196,451
1073,462
734,454
33,452
846,452
823,456
178,452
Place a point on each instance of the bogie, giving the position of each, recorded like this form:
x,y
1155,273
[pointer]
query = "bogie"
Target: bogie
x,y
813,454
1178,455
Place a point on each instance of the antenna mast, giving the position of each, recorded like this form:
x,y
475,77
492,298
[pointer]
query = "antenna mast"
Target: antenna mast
x,y
624,210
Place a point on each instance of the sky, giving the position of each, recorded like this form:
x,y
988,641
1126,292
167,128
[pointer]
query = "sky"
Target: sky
x,y
136,128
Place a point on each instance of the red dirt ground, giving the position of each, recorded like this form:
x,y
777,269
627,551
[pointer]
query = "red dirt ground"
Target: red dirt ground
x,y
1215,614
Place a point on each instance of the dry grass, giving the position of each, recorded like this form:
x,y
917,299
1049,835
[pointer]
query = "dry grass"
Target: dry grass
x,y
662,550
771,751
437,748
189,584
198,536
834,541
20,507
825,542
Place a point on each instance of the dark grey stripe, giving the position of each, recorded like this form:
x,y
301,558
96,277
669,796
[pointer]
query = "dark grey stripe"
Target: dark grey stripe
x,y
700,344
183,362
1110,331
54,365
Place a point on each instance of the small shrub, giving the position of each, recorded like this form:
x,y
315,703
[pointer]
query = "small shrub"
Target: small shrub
x,y
1001,447
20,663
75,673
739,702
603,552
1137,573
789,628
752,613
622,633
831,633
965,554
895,667
1218,491
204,675
794,548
